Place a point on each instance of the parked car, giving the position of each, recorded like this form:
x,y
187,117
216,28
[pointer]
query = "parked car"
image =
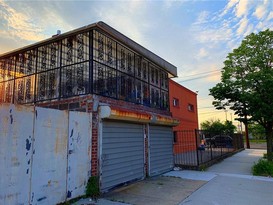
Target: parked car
x,y
219,141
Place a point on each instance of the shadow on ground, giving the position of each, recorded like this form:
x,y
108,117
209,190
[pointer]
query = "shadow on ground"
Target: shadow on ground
x,y
157,190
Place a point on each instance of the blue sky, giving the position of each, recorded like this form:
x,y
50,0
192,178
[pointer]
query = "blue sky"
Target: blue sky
x,y
193,35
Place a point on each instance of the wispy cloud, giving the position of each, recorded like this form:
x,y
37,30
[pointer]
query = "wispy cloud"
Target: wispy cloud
x,y
202,53
233,22
243,23
229,6
241,8
202,18
19,25
270,16
260,11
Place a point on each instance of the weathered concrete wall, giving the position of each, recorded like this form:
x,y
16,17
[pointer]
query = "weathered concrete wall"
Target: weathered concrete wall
x,y
45,154
16,131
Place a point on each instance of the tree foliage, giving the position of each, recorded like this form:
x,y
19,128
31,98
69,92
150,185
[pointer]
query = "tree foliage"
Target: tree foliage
x,y
216,126
247,82
257,131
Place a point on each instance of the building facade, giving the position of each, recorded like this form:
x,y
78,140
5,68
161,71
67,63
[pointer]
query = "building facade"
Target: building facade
x,y
183,105
98,70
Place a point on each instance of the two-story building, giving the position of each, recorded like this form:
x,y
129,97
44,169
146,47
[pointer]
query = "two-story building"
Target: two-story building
x,y
183,105
97,69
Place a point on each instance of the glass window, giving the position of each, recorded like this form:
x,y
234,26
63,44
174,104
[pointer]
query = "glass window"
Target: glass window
x,y
126,87
125,60
104,80
104,49
6,89
75,80
47,85
190,108
24,89
175,102
26,63
165,100
75,49
60,69
48,57
155,75
155,97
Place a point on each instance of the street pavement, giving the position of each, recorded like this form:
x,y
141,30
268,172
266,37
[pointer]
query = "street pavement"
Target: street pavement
x,y
229,182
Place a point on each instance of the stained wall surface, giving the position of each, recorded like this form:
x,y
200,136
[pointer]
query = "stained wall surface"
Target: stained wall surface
x,y
39,154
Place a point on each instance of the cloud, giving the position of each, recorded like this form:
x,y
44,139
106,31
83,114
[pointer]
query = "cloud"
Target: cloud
x,y
202,53
242,26
260,11
213,36
214,78
241,8
229,6
249,29
202,17
19,25
270,16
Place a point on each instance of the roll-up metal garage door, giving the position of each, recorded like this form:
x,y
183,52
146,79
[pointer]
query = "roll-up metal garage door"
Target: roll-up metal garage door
x,y
160,149
122,153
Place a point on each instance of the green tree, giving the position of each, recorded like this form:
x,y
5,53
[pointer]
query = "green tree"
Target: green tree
x,y
247,83
216,126
257,131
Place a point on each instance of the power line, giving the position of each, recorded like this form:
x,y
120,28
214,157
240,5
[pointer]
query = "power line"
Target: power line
x,y
206,107
204,113
204,98
213,71
198,77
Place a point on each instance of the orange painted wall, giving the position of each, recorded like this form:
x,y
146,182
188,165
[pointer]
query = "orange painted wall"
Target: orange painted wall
x,y
188,119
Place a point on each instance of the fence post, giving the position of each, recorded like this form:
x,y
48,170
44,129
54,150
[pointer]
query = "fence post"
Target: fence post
x,y
196,142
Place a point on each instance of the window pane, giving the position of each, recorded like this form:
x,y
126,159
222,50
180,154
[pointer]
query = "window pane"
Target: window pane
x,y
104,80
104,49
155,97
47,85
6,89
125,60
7,69
75,49
75,80
126,89
2,91
26,63
48,57
24,89
154,75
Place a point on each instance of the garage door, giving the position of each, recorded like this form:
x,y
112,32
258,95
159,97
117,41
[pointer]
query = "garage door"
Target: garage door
x,y
161,149
122,154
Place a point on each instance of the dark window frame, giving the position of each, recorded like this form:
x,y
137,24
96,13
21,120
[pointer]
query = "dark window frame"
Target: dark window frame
x,y
176,102
190,107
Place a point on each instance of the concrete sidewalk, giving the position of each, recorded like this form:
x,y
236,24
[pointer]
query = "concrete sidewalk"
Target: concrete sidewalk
x,y
233,183
229,182
159,190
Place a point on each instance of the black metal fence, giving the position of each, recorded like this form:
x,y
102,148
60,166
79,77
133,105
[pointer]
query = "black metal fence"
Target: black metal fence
x,y
196,148
90,62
